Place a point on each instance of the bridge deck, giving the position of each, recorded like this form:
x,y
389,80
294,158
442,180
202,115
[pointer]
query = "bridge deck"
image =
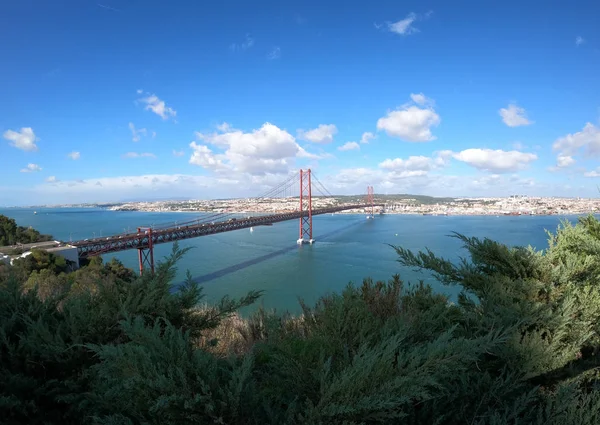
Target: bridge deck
x,y
98,246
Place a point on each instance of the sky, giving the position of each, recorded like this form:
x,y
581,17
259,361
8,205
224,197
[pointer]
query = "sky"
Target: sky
x,y
116,100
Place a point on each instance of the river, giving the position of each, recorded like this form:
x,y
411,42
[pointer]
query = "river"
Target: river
x,y
347,249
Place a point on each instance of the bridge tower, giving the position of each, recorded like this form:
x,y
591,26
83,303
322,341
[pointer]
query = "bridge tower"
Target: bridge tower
x,y
370,201
146,253
305,208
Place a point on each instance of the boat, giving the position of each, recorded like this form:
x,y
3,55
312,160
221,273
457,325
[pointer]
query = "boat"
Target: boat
x,y
35,212
251,229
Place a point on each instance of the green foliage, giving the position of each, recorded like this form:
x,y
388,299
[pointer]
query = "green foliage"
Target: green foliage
x,y
40,260
521,345
50,340
11,234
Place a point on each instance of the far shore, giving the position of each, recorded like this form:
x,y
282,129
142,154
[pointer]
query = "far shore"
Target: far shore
x,y
351,212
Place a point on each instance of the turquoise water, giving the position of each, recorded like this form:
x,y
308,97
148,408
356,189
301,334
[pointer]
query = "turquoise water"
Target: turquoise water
x,y
348,248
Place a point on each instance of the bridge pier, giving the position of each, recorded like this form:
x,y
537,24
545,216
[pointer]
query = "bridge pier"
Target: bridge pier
x,y
146,254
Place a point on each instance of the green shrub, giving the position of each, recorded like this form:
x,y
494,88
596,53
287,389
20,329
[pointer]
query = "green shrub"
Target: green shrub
x,y
11,234
49,344
520,345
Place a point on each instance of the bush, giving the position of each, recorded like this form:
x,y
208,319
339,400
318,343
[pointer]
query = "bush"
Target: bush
x,y
11,234
49,344
520,345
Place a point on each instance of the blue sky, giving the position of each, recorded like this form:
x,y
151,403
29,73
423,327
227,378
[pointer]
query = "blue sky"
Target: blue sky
x,y
110,100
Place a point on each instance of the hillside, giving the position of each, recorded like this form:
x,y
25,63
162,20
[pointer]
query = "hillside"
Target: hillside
x,y
11,233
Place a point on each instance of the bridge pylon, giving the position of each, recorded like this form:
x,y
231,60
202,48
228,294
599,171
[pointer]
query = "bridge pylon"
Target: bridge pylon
x,y
306,227
146,250
370,207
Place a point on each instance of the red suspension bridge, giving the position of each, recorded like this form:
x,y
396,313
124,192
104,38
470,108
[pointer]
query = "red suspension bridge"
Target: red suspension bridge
x,y
146,238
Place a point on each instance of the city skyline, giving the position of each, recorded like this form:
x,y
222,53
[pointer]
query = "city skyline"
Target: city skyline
x,y
111,101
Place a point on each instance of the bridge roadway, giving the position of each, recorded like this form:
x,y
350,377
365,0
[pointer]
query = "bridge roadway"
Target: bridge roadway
x,y
99,246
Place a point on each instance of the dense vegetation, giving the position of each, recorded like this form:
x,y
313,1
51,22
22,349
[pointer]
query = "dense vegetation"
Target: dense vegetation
x,y
519,346
11,234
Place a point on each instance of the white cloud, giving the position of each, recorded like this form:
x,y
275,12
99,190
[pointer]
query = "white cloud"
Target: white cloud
x,y
158,106
349,146
514,116
31,168
404,26
322,134
410,123
51,179
563,161
302,153
350,176
413,163
205,158
267,142
137,133
153,134
496,161
443,157
414,166
421,99
275,53
224,127
104,6
398,175
587,139
24,139
244,45
74,155
139,155
485,183
268,150
178,153
593,173
356,180
366,137
420,181
579,40
351,181
154,186
406,174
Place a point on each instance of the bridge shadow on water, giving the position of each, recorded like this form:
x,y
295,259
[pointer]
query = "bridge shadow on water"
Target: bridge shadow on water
x,y
231,269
